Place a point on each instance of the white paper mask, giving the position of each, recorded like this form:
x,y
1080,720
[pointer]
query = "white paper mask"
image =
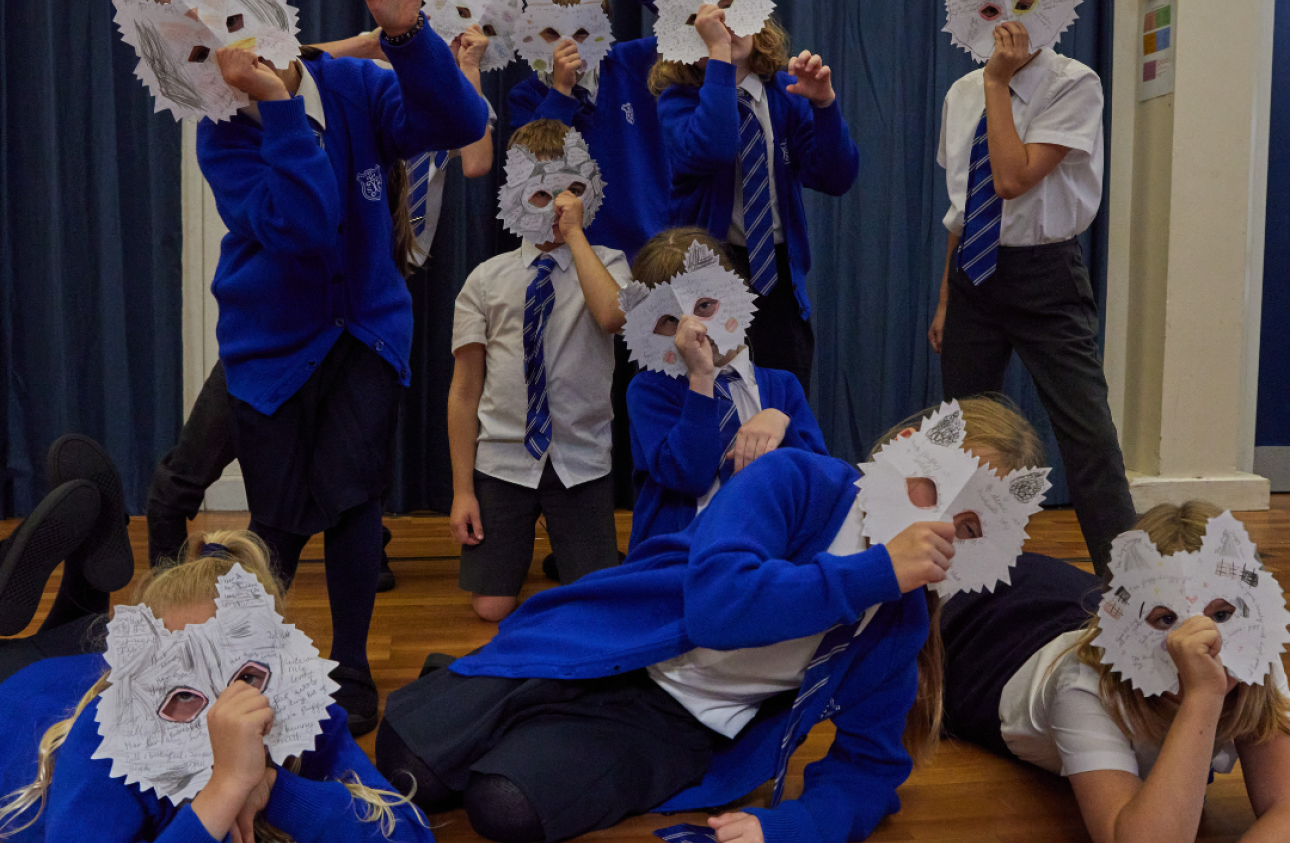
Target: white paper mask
x,y
928,476
679,41
265,27
152,717
527,178
498,19
1148,590
704,289
972,22
546,25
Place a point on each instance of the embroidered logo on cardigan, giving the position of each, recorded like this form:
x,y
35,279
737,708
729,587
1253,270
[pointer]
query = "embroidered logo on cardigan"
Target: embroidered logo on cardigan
x,y
370,181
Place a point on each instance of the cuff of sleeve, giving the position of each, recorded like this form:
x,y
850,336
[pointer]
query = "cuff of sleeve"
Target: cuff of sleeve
x,y
867,578
698,410
187,828
283,117
789,823
1070,141
719,73
461,341
557,106
294,798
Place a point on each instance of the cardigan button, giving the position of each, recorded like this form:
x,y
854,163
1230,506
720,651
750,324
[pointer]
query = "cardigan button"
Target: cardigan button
x,y
340,321
801,740
404,373
380,345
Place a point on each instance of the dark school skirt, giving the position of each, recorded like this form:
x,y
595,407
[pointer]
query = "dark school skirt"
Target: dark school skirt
x,y
328,448
989,636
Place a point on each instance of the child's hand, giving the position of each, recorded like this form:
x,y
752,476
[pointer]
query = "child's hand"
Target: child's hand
x,y
470,47
814,79
1011,51
737,828
568,64
238,722
760,435
936,333
465,523
243,830
1195,646
395,17
568,213
692,341
711,26
921,554
243,70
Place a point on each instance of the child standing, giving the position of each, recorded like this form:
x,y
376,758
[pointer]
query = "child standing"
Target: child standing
x,y
743,140
1021,141
529,410
685,442
315,323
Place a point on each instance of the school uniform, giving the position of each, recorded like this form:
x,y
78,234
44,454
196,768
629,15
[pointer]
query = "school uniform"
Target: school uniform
x,y
1039,301
805,146
677,442
1014,684
614,111
570,483
84,802
427,177
772,566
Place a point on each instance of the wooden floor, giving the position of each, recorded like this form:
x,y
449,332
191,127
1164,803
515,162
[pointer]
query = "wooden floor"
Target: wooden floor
x,y
966,794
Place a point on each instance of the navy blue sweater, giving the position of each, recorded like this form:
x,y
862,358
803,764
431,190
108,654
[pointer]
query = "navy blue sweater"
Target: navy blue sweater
x,y
752,570
701,130
310,251
624,137
85,803
677,448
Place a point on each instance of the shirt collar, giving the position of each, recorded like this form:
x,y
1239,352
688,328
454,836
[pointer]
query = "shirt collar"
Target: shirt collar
x,y
563,255
742,366
753,85
1026,81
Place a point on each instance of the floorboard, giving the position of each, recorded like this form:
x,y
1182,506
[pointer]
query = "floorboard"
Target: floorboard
x,y
965,794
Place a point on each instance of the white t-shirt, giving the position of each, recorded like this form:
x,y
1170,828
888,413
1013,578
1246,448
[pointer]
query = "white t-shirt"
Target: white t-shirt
x,y
747,401
723,688
1055,100
753,85
1055,718
579,359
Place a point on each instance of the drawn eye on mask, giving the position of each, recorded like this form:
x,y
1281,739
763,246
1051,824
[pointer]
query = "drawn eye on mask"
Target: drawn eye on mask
x,y
182,705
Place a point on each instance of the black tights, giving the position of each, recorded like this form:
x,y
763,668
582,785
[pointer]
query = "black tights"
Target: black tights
x,y
497,809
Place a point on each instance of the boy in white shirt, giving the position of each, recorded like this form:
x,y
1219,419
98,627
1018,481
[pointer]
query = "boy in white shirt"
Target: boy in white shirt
x,y
529,410
1025,180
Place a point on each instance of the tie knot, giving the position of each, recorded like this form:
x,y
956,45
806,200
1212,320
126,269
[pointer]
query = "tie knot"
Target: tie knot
x,y
728,374
745,98
545,263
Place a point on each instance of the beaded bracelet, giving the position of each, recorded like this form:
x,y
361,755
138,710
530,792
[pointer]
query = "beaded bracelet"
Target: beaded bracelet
x,y
400,40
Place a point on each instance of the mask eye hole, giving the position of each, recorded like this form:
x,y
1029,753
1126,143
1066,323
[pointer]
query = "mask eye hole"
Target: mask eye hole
x,y
581,35
666,326
235,23
255,674
691,20
706,308
967,526
464,13
1220,611
990,12
1023,6
577,188
540,199
922,492
549,35
182,705
199,54
490,30
1162,618
725,4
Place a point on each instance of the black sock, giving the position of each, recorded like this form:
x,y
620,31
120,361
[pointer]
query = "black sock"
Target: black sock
x,y
284,548
353,554
499,811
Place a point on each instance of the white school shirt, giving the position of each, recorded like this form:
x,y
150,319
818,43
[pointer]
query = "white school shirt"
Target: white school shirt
x,y
1055,100
1053,717
723,688
579,359
747,401
753,85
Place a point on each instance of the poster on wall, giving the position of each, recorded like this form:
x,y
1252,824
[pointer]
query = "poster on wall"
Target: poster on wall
x,y
1156,57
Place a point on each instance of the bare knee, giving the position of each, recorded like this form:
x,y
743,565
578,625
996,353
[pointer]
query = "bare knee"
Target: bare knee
x,y
493,609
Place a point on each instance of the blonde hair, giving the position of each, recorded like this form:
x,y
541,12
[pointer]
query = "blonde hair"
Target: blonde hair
x,y
195,580
543,138
990,422
663,257
770,53
1254,713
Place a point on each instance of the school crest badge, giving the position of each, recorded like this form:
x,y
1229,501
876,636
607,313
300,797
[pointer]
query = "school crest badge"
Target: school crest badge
x,y
370,181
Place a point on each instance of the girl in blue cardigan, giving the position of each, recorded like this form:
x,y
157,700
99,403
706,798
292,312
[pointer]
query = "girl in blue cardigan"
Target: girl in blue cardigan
x,y
718,117
676,425
315,321
58,791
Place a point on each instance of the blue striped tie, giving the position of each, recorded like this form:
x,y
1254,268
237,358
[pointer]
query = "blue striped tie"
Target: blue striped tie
x,y
835,642
420,169
538,304
759,223
730,423
979,251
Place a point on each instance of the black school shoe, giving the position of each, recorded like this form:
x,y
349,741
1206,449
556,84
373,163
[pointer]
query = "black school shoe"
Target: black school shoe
x,y
357,695
105,556
55,529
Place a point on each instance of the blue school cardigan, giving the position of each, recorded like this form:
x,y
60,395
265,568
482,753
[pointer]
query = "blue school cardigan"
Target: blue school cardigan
x,y
85,803
310,248
752,570
701,130
677,448
624,137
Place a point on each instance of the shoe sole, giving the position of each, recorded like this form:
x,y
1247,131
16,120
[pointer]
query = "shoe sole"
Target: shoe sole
x,y
57,527
106,558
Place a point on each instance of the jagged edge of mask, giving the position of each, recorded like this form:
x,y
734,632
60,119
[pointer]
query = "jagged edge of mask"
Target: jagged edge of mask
x,y
724,285
540,15
677,40
504,15
290,48
957,41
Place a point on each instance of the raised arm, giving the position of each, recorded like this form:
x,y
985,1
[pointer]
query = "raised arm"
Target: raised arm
x,y
1266,767
826,156
678,437
600,287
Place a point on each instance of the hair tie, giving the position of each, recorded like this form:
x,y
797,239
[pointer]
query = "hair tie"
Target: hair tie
x,y
213,549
